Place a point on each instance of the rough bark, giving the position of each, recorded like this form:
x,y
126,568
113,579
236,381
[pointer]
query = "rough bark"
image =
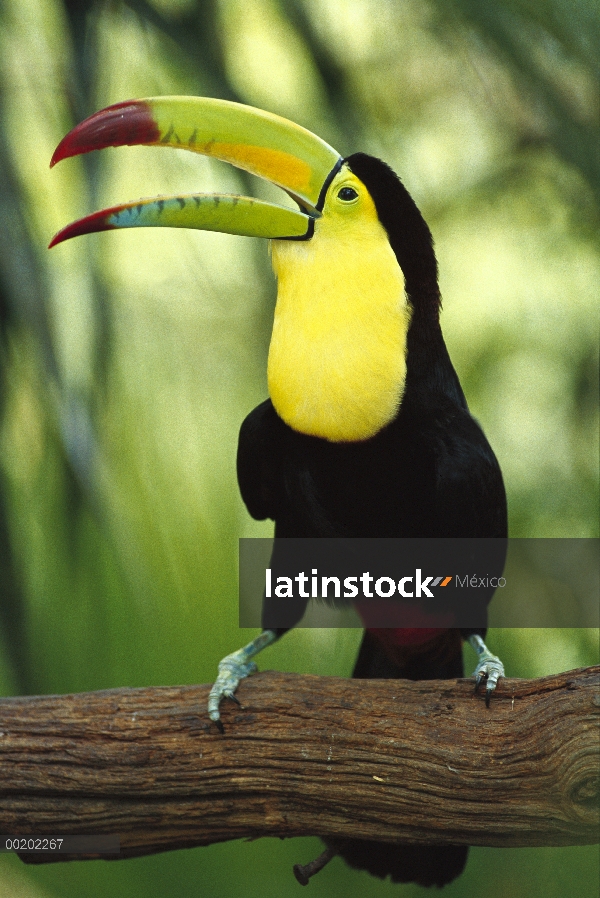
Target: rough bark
x,y
389,760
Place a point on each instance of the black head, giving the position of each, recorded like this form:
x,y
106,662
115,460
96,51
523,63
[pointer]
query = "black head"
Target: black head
x,y
409,236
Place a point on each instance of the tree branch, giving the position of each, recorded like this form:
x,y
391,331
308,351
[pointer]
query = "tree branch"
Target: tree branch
x,y
389,760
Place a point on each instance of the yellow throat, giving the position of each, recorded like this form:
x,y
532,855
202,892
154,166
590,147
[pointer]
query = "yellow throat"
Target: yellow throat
x,y
337,359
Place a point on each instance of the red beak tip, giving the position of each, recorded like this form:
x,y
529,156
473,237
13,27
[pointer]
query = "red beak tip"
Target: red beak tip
x,y
91,224
122,124
60,153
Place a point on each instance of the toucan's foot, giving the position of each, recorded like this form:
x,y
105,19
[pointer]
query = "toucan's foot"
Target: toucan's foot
x,y
232,669
490,670
490,667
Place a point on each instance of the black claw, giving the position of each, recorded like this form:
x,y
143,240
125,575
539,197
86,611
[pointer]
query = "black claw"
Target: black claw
x,y
488,695
220,727
235,699
478,681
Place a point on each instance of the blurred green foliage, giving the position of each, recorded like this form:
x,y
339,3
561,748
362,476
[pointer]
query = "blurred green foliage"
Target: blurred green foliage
x,y
128,362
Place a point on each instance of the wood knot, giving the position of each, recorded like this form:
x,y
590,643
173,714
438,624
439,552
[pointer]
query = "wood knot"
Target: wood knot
x,y
586,792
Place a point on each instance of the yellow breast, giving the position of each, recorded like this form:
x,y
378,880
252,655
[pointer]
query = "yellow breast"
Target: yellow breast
x,y
337,359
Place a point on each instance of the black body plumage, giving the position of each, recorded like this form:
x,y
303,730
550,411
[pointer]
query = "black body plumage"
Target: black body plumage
x,y
429,473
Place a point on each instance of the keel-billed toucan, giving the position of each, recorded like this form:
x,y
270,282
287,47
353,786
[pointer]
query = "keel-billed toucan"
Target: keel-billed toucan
x,y
366,431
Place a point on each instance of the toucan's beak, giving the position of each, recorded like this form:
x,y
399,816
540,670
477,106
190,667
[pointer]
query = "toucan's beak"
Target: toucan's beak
x,y
256,141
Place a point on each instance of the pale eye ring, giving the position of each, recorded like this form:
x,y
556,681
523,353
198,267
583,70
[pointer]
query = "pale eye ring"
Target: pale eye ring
x,y
347,194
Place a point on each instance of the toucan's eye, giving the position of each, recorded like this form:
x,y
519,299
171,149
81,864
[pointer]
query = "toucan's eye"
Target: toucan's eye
x,y
347,194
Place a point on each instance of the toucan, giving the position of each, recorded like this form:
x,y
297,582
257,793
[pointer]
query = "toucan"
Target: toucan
x,y
366,432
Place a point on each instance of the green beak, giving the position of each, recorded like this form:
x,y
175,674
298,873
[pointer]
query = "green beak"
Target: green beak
x,y
259,142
